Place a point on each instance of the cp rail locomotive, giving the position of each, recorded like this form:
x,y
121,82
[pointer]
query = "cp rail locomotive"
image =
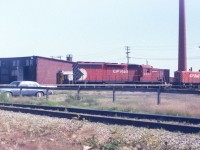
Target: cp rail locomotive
x,y
101,72
186,78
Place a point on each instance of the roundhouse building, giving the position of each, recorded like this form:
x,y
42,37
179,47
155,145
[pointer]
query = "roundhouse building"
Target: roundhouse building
x,y
33,68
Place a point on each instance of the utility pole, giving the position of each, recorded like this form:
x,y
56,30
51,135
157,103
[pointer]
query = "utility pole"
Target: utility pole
x,y
127,53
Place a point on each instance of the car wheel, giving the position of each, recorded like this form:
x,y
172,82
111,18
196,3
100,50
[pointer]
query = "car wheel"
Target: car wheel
x,y
39,94
8,94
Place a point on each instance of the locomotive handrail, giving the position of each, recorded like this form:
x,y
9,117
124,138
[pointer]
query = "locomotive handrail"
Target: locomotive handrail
x,y
114,85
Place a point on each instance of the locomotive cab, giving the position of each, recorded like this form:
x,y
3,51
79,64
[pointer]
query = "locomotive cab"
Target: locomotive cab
x,y
145,72
149,74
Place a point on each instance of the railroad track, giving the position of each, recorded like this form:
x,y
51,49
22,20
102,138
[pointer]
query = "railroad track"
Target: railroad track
x,y
151,121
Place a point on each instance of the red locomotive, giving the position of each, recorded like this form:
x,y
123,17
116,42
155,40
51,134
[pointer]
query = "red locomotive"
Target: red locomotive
x,y
186,77
100,72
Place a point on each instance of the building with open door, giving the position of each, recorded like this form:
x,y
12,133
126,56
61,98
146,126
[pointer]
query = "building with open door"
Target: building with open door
x,y
32,68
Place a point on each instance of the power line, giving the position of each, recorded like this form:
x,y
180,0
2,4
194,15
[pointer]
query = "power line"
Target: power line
x,y
190,58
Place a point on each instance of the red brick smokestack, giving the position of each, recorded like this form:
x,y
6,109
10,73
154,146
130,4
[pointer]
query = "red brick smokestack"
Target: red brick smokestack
x,y
182,58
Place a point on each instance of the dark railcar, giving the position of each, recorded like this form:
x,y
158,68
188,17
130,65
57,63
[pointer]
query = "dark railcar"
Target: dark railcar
x,y
162,74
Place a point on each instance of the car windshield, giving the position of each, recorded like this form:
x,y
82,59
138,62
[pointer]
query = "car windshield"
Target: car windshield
x,y
15,83
24,84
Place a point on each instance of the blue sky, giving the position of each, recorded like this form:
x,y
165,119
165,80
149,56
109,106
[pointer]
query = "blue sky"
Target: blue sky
x,y
99,30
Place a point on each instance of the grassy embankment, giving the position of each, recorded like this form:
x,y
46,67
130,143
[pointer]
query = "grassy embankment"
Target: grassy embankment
x,y
171,104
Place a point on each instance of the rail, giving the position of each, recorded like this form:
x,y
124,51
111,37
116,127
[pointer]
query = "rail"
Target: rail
x,y
111,117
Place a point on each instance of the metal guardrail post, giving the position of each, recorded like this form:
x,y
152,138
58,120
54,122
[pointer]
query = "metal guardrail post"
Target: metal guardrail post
x,y
158,96
113,95
20,91
47,93
78,94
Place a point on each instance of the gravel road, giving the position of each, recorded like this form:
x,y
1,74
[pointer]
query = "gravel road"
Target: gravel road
x,y
26,131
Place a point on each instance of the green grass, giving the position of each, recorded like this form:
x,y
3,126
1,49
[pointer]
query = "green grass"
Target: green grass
x,y
171,104
113,144
4,98
92,142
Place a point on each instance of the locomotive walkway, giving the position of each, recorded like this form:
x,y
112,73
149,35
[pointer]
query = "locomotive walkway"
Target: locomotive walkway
x,y
151,121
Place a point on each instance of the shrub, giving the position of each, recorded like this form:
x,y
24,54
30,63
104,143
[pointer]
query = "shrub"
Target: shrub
x,y
92,142
111,145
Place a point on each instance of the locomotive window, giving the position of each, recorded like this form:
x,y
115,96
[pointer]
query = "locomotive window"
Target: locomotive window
x,y
147,70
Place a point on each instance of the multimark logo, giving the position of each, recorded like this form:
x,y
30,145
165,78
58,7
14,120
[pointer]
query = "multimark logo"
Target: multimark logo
x,y
195,76
120,71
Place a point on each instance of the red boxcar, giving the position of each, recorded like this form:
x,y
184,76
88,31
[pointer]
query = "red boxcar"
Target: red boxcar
x,y
186,77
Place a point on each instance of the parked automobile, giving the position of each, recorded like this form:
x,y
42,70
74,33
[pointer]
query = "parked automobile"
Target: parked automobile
x,y
24,88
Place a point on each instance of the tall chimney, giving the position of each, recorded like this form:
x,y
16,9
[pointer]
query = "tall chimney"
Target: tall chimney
x,y
182,56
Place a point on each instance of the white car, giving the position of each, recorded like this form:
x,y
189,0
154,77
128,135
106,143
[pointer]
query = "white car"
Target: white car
x,y
17,88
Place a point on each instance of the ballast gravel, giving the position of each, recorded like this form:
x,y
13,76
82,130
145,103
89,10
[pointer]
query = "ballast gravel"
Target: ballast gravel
x,y
26,131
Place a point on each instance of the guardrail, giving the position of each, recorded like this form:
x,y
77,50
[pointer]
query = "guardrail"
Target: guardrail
x,y
158,88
